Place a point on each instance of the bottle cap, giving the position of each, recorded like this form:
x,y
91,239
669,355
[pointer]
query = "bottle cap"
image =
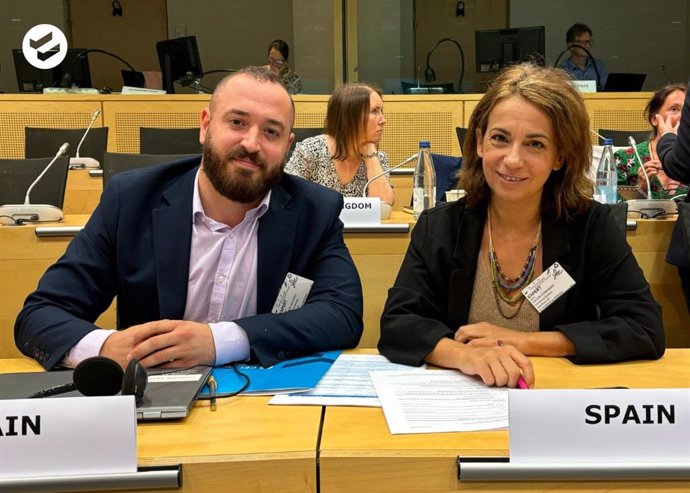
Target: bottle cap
x,y
608,142
424,143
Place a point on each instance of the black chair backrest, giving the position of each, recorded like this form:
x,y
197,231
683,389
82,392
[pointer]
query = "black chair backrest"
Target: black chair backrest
x,y
169,141
301,134
16,175
620,215
461,132
115,162
45,142
620,137
684,220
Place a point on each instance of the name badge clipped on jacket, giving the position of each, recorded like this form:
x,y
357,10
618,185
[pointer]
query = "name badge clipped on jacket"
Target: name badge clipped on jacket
x,y
548,287
293,293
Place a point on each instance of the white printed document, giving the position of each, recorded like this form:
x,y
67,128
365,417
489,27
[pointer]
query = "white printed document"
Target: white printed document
x,y
436,401
347,383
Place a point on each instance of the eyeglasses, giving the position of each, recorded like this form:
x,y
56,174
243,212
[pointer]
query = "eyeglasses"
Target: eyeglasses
x,y
584,42
276,61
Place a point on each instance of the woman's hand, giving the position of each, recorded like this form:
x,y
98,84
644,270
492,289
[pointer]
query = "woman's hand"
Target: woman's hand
x,y
667,124
501,366
484,334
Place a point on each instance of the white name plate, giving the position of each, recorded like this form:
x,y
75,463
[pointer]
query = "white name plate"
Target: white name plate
x,y
585,85
361,210
599,426
68,436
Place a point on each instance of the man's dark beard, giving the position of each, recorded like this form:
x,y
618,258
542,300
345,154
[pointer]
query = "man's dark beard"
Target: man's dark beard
x,y
238,184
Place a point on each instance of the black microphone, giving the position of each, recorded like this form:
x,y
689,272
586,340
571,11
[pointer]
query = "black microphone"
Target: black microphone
x,y
663,70
66,80
99,376
78,162
28,212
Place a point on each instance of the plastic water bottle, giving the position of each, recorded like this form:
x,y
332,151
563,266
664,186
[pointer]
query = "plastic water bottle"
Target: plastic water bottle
x,y
607,178
424,181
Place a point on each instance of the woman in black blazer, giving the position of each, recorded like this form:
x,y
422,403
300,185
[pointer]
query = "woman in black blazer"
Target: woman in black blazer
x,y
457,301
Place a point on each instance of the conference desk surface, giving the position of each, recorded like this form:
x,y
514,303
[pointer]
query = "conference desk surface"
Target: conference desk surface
x,y
358,453
249,446
245,445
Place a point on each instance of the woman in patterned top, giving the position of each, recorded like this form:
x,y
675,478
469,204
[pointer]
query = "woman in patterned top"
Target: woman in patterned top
x,y
667,102
345,157
278,52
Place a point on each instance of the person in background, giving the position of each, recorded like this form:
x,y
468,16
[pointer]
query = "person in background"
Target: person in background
x,y
674,154
346,156
579,65
458,302
668,103
200,252
278,56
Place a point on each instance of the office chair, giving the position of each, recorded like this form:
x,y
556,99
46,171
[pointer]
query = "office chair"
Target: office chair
x,y
44,142
301,134
169,141
16,175
115,162
620,137
461,132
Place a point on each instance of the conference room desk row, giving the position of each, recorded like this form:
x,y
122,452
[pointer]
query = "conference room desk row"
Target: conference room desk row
x,y
377,254
27,251
250,446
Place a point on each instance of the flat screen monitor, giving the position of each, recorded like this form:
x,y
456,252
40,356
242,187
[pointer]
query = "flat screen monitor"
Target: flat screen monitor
x,y
497,48
179,60
32,79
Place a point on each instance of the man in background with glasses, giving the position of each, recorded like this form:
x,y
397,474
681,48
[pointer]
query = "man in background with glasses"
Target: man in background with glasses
x,y
581,65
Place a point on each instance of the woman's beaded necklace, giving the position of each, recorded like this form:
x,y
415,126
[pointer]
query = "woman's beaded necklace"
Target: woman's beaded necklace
x,y
503,284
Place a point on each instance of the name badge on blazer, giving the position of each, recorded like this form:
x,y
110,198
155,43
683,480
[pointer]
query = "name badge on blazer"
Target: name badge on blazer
x,y
548,287
293,293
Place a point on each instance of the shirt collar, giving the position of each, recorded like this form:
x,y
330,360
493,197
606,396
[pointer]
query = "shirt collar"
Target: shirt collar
x,y
198,214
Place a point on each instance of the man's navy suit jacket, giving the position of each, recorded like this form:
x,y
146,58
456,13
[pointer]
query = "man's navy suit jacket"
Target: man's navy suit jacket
x,y
136,246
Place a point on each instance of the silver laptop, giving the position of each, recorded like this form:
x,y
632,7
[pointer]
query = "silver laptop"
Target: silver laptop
x,y
169,394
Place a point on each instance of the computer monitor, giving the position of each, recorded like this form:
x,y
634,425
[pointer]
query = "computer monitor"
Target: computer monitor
x,y
32,79
179,60
496,48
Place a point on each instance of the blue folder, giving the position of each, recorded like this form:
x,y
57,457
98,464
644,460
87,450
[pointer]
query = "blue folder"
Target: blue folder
x,y
294,375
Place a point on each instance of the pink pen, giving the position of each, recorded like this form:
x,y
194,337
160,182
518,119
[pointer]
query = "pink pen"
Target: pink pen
x,y
522,384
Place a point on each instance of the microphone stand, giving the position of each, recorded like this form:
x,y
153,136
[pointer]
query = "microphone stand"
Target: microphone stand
x,y
589,56
429,73
366,185
649,208
67,78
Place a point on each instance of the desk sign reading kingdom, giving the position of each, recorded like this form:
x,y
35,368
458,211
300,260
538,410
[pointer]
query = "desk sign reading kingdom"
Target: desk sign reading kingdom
x,y
600,426
72,436
361,210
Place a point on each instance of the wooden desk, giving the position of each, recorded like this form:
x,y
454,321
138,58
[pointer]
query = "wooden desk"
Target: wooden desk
x,y
378,257
358,453
649,242
83,192
246,445
23,259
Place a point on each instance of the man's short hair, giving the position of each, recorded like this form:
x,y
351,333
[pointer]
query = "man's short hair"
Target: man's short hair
x,y
260,74
575,30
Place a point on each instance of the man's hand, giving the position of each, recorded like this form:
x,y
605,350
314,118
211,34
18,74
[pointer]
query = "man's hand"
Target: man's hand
x,y
165,343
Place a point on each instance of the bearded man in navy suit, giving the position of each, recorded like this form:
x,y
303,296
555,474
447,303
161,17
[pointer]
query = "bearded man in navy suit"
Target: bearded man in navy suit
x,y
197,252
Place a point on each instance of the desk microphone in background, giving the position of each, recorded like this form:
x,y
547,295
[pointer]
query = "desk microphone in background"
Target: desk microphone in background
x,y
649,207
386,209
28,212
78,162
